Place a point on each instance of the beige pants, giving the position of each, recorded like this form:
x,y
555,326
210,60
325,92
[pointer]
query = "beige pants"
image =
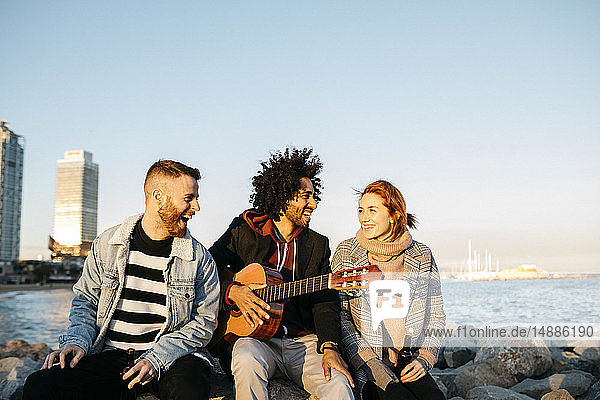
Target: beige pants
x,y
254,362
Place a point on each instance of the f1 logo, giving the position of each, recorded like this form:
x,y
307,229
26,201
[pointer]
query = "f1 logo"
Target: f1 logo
x,y
389,299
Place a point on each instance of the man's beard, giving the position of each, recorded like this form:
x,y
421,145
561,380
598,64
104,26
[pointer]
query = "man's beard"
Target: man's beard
x,y
294,214
170,218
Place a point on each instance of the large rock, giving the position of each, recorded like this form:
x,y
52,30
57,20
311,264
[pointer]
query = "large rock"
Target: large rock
x,y
564,360
560,394
524,359
441,385
456,357
575,382
13,372
448,376
440,363
504,366
594,392
588,352
494,393
20,349
487,373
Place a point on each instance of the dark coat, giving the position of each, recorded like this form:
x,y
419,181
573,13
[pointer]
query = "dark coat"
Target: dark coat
x,y
240,245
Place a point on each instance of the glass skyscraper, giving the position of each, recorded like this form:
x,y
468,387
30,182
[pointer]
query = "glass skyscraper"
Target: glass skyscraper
x,y
76,207
11,189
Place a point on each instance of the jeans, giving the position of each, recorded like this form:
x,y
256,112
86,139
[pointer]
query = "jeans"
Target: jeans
x,y
98,377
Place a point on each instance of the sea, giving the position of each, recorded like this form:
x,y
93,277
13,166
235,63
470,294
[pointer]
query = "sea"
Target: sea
x,y
41,316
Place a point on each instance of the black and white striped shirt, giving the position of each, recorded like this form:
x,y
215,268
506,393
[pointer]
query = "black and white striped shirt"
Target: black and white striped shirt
x,y
142,309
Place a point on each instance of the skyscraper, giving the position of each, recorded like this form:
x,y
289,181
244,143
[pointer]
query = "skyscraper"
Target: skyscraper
x,y
76,207
11,189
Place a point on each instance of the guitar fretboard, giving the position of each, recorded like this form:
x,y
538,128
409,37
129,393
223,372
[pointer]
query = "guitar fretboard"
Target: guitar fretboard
x,y
276,293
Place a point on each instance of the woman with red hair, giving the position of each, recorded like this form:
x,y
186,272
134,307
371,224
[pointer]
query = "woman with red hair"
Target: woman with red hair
x,y
391,360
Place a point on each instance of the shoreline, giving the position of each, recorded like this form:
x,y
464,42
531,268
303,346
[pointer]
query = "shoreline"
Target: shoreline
x,y
34,287
522,278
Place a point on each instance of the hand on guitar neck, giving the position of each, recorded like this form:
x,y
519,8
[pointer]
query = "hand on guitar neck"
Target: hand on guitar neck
x,y
251,306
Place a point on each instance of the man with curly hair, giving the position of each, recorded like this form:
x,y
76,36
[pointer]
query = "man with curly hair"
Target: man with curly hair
x,y
275,234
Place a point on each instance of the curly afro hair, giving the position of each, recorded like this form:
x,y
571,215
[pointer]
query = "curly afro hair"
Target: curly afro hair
x,y
279,180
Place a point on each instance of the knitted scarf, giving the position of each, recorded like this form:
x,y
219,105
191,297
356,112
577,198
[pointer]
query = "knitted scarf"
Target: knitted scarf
x,y
389,257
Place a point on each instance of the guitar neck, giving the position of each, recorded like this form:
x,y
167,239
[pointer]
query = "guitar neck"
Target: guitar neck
x,y
282,291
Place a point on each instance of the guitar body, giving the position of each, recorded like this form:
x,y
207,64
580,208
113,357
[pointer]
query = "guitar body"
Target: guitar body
x,y
235,325
232,325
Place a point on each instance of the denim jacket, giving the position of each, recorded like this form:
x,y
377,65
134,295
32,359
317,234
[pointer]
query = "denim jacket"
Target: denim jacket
x,y
192,297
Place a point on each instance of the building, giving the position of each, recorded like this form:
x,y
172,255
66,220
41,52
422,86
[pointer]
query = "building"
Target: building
x,y
76,207
11,190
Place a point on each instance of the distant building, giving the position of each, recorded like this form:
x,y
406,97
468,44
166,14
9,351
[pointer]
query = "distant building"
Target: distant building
x,y
11,189
76,207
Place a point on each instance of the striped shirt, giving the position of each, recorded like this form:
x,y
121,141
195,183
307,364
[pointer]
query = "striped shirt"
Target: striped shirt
x,y
142,308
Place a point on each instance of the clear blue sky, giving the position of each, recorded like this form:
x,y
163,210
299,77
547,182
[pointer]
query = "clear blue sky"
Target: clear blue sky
x,y
486,115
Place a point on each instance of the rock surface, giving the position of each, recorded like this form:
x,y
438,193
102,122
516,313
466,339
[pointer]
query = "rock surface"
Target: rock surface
x,y
494,393
487,373
13,372
528,359
448,376
575,382
588,353
504,366
441,385
456,357
20,349
565,360
560,394
594,392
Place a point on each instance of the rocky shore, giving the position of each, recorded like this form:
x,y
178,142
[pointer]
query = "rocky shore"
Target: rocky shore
x,y
526,372
18,359
469,373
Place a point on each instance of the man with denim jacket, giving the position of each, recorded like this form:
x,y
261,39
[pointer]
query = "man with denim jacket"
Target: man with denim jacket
x,y
144,307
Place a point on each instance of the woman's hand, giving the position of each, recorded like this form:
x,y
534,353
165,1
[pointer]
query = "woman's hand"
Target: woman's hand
x,y
412,372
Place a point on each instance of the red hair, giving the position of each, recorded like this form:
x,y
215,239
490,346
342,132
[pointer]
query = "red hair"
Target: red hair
x,y
394,202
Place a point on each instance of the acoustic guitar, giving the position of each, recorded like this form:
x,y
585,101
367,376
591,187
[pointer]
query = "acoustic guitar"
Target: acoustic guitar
x,y
233,325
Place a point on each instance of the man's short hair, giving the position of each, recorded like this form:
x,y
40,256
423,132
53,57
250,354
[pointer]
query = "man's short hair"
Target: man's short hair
x,y
169,169
279,180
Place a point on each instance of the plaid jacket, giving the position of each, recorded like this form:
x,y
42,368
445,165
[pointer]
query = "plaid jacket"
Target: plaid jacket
x,y
425,309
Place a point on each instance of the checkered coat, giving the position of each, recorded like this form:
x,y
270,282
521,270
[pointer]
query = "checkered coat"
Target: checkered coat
x,y
425,308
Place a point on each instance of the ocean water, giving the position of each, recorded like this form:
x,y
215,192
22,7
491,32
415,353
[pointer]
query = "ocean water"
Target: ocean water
x,y
40,316
542,301
35,316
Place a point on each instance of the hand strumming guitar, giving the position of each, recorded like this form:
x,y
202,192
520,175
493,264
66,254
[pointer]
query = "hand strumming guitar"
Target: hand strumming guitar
x,y
251,306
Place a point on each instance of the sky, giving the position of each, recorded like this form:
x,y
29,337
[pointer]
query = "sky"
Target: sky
x,y
484,114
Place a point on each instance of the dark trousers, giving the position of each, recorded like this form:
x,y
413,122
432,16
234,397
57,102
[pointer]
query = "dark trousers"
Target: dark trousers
x,y
98,376
421,389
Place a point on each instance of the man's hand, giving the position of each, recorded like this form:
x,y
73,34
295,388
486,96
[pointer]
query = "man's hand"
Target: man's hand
x,y
145,373
412,372
69,351
331,359
251,306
